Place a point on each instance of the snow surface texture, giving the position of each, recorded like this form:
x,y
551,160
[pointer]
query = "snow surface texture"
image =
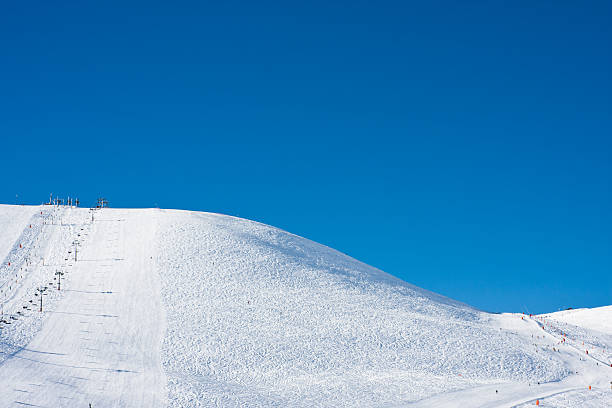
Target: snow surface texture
x,y
589,319
185,309
13,218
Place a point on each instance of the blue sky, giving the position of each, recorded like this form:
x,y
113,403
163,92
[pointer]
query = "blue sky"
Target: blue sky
x,y
462,146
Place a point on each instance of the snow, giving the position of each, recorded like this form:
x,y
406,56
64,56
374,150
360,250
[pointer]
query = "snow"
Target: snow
x,y
97,340
186,309
578,398
13,218
590,319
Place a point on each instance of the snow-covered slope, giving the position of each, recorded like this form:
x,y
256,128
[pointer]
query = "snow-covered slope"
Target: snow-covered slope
x,y
182,309
13,218
599,318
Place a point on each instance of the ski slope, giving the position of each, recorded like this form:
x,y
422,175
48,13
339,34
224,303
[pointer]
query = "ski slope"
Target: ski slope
x,y
589,319
13,218
186,309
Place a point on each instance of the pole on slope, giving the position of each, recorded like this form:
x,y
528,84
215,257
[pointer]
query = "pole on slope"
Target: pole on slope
x,y
59,279
40,292
76,248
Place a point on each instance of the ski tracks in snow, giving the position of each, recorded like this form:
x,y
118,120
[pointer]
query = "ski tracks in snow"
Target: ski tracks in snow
x,y
183,309
100,341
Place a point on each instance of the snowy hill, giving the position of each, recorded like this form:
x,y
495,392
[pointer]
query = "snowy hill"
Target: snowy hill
x,y
599,318
182,309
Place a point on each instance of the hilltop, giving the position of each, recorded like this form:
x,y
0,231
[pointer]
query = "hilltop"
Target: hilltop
x,y
178,308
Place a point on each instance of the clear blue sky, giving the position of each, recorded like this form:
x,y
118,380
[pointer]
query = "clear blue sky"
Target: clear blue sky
x,y
462,146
